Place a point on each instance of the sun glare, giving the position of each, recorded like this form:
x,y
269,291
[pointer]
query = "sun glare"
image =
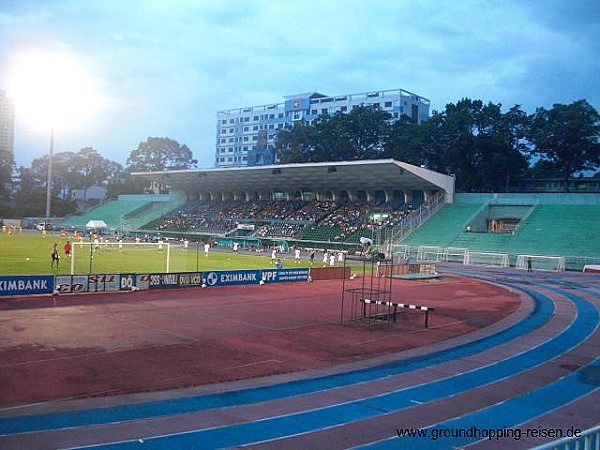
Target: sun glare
x,y
52,90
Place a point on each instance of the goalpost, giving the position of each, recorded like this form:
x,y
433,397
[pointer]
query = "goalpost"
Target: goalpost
x,y
455,254
486,259
429,253
120,257
539,262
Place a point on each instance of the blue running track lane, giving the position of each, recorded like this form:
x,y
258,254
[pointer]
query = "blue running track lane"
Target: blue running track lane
x,y
512,412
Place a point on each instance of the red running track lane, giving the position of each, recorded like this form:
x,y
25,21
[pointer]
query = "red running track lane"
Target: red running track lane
x,y
95,345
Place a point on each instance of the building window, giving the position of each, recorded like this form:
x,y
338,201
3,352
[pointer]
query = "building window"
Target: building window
x,y
344,109
255,127
246,128
324,111
388,104
255,118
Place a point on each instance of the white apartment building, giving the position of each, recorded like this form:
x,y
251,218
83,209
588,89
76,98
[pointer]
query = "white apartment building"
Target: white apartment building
x,y
7,123
246,136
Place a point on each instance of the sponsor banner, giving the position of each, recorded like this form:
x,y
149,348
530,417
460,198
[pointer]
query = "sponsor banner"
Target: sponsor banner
x,y
127,281
164,280
172,280
71,284
142,281
26,285
286,275
245,226
237,277
234,277
104,282
190,279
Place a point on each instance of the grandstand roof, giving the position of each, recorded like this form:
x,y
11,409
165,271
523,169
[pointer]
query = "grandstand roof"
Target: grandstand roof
x,y
366,175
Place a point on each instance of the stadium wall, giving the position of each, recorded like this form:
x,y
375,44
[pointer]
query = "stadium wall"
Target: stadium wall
x,y
525,199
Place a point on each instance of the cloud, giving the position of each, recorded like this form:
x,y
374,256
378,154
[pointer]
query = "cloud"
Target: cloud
x,y
165,68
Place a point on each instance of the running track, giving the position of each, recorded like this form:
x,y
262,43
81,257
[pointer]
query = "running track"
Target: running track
x,y
539,369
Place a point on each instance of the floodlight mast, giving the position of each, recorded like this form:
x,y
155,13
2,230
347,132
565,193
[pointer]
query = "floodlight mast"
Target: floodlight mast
x,y
49,180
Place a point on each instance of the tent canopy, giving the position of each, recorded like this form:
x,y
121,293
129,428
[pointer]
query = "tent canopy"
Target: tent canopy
x,y
96,225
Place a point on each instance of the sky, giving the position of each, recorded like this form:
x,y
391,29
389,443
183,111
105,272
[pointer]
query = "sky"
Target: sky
x,y
164,68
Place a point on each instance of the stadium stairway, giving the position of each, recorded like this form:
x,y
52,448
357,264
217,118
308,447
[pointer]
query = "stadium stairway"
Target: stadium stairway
x,y
537,369
444,226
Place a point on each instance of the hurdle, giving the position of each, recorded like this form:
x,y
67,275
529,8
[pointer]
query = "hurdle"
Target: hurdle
x,y
394,309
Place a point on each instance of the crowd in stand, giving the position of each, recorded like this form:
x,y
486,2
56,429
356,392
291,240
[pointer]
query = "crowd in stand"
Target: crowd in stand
x,y
283,218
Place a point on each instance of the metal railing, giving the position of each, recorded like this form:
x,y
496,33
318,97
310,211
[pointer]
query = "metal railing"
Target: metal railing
x,y
588,440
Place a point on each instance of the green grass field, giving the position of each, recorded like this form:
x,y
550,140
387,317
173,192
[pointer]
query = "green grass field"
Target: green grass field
x,y
30,254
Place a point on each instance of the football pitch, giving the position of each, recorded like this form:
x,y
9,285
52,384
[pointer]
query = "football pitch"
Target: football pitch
x,y
30,254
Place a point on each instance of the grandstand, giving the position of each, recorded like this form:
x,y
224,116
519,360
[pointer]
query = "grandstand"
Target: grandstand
x,y
550,225
127,213
405,209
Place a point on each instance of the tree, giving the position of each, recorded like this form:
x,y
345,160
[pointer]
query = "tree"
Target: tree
x,y
156,154
453,142
360,134
567,136
501,147
407,141
474,141
296,144
89,168
367,130
30,193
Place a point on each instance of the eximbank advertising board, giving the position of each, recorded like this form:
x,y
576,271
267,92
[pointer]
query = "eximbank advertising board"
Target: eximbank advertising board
x,y
26,285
